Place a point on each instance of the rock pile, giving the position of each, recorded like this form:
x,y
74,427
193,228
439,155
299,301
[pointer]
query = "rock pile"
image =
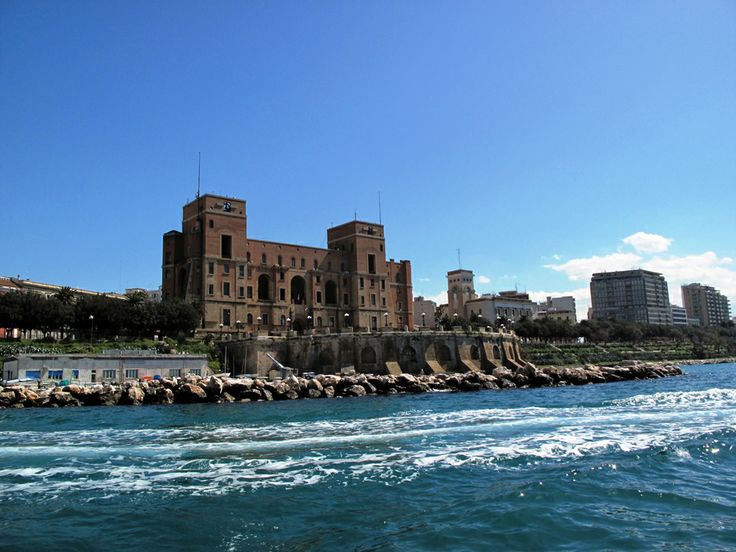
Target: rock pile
x,y
194,389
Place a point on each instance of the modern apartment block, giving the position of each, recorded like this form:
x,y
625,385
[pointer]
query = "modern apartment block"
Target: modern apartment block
x,y
679,315
243,284
705,303
639,296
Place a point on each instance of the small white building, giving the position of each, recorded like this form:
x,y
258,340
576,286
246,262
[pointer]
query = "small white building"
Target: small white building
x,y
110,366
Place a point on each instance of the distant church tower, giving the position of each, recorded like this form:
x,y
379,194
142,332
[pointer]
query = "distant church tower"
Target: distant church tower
x,y
460,290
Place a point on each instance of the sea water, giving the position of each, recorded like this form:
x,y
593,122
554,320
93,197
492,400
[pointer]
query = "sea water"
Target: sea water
x,y
632,465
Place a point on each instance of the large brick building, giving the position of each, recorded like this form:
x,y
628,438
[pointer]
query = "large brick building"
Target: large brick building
x,y
248,285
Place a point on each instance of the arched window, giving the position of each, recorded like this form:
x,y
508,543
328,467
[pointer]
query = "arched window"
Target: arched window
x,y
319,321
249,318
264,285
298,290
330,293
283,320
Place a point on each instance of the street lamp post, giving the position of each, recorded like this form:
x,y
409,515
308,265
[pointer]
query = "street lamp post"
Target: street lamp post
x,y
385,319
424,324
238,323
288,324
309,322
258,326
221,326
91,327
347,316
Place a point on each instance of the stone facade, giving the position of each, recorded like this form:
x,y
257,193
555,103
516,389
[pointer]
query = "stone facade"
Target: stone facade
x,y
251,286
376,353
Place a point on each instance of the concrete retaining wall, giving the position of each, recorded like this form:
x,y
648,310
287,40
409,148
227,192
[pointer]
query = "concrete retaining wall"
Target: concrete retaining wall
x,y
375,353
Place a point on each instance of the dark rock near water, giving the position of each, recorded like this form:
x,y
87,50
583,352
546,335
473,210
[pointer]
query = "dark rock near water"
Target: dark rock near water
x,y
193,389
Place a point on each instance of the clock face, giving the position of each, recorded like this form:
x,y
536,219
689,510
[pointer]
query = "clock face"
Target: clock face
x,y
227,207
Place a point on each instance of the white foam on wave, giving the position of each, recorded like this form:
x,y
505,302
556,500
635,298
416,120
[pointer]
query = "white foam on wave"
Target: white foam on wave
x,y
234,458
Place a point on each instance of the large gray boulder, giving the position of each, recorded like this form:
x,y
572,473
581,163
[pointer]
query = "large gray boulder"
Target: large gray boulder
x,y
190,393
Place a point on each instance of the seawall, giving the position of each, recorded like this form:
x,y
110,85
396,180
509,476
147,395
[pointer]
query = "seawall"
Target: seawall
x,y
194,389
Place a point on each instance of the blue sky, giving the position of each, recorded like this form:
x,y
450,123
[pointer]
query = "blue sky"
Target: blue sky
x,y
535,136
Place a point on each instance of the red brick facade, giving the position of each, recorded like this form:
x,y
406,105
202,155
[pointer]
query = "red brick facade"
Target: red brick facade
x,y
273,286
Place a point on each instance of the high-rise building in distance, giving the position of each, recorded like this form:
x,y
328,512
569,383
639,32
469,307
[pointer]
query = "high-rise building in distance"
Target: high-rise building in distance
x,y
705,303
639,296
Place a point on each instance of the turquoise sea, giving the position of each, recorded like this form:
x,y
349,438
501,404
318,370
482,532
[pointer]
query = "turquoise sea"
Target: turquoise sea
x,y
625,466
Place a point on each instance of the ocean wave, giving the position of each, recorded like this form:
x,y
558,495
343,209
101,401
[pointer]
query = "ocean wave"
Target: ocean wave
x,y
236,458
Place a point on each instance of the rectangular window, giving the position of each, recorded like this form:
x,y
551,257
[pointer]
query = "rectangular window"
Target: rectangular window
x,y
361,283
131,374
332,321
225,317
212,223
373,282
195,371
304,263
210,289
226,268
293,262
383,301
344,282
250,272
226,289
263,258
373,299
226,247
250,292
342,267
282,294
247,256
371,263
318,278
241,271
210,268
281,276
315,264
280,260
329,266
241,291
383,285
362,300
345,299
108,374
175,372
56,374
319,297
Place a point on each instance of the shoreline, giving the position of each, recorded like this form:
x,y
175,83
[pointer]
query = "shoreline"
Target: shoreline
x,y
196,389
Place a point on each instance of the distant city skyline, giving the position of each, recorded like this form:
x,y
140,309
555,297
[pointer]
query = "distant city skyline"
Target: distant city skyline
x,y
545,152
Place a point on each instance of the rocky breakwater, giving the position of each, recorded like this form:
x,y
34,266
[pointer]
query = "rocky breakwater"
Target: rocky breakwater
x,y
193,389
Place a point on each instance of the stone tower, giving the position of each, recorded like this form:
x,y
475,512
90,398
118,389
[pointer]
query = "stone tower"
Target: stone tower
x,y
460,290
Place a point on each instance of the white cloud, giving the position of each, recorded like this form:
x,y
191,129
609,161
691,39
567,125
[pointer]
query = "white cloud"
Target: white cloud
x,y
484,280
557,257
440,298
424,279
648,243
581,269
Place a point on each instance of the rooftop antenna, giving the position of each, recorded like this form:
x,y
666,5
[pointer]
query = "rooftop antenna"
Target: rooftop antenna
x,y
355,214
459,264
380,221
199,173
